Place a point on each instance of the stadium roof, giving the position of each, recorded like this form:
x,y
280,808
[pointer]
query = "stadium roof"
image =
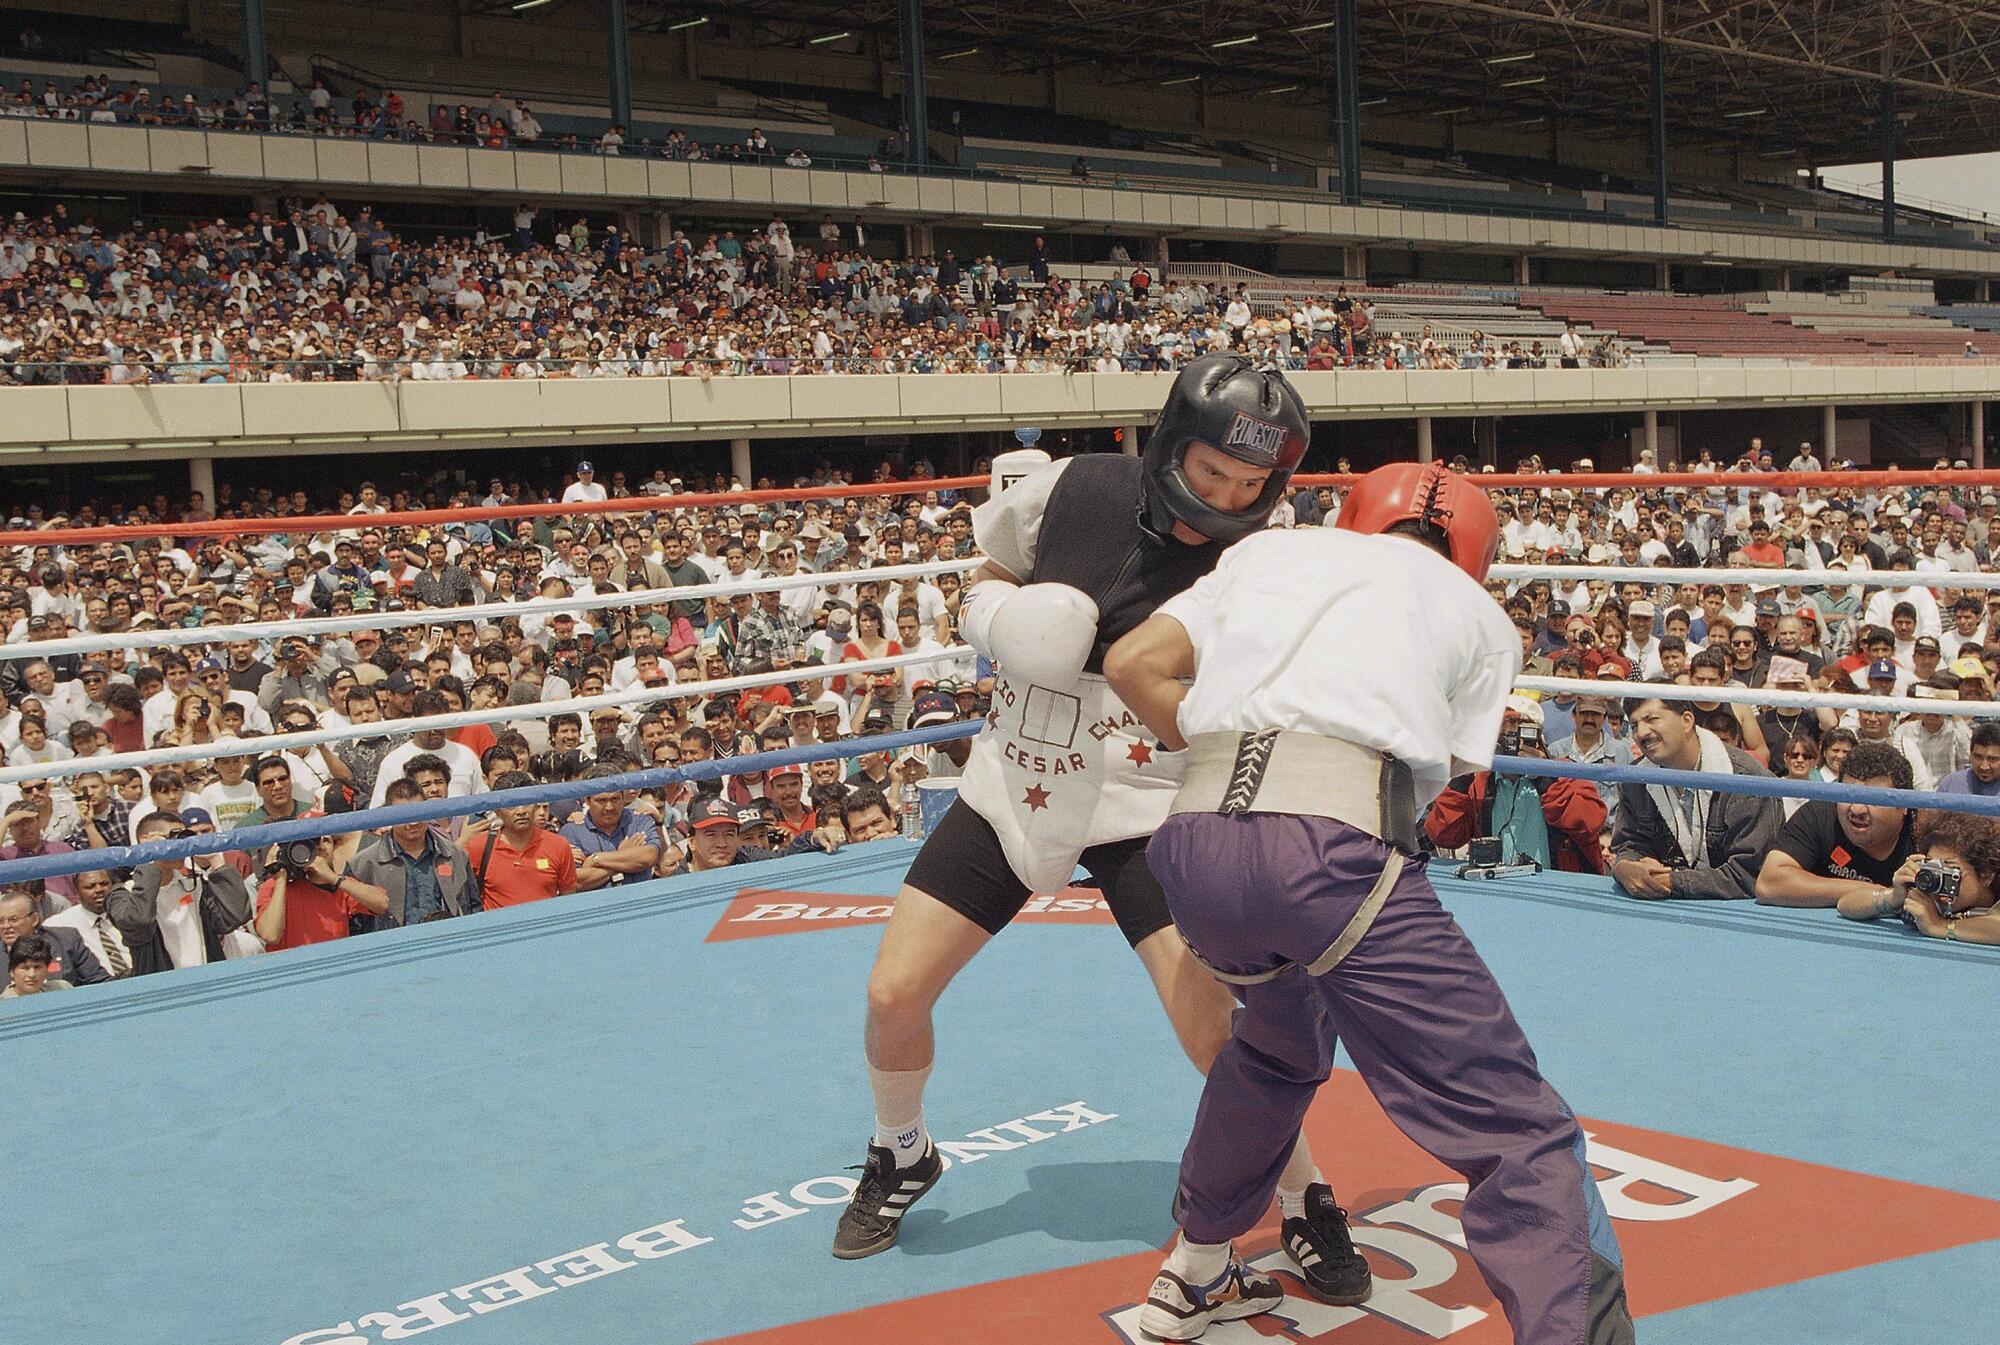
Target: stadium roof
x,y
1778,78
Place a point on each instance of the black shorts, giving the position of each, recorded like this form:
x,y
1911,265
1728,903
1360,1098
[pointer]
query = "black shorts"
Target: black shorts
x,y
962,865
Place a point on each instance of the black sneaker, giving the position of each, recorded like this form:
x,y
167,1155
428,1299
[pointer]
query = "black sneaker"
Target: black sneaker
x,y
874,1216
1324,1252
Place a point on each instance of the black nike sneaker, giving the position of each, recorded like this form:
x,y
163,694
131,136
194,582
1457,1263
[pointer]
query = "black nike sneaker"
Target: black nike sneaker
x,y
1321,1246
874,1216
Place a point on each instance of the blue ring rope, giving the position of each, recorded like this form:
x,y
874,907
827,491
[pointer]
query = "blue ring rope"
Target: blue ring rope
x,y
369,819
267,834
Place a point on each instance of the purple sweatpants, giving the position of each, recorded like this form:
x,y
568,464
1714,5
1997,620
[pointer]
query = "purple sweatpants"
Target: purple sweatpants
x,y
1431,1035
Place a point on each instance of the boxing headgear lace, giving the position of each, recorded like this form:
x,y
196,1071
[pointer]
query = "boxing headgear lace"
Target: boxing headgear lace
x,y
1228,403
1448,508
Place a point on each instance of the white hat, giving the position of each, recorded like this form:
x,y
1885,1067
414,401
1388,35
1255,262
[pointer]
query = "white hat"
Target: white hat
x,y
1526,707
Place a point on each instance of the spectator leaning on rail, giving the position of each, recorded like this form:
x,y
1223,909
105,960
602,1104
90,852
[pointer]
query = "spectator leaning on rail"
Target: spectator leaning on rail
x,y
1826,851
1677,841
1967,843
1554,822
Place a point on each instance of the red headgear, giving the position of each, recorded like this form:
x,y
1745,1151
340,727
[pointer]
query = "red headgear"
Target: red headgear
x,y
1444,503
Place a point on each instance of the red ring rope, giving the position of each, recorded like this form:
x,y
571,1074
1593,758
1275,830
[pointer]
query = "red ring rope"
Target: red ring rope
x,y
641,504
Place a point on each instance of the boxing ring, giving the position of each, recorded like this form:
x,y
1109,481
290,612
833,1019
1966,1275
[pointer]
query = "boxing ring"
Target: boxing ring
x,y
626,1116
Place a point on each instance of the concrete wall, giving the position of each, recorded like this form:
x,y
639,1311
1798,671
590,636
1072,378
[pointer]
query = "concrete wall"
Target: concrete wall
x,y
241,420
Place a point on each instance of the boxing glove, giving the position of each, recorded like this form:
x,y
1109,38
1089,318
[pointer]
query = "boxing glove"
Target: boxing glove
x,y
1039,633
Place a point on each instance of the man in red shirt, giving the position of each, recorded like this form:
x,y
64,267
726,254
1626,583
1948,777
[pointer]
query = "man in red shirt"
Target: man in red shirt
x,y
785,786
1762,551
526,863
312,907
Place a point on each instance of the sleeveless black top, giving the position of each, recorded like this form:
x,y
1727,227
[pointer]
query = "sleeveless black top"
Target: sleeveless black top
x,y
1091,540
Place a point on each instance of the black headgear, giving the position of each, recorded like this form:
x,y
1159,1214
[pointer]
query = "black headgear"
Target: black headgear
x,y
1228,403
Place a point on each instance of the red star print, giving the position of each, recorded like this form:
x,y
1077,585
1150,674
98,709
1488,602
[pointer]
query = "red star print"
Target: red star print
x,y
1036,798
1141,753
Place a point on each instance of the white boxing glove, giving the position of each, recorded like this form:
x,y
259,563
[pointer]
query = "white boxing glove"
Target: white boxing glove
x,y
1039,633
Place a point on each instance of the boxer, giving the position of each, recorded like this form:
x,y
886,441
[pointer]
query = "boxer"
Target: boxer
x,y
1080,552
1321,718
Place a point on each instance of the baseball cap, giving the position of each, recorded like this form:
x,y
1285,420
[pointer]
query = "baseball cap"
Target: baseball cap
x,y
933,707
780,772
1882,670
1928,644
208,665
583,467
712,810
878,720
1805,611
1640,608
1525,708
1769,607
197,817
399,682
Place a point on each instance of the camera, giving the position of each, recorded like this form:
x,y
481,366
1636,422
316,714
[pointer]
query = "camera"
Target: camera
x,y
1484,851
1519,733
1939,881
295,857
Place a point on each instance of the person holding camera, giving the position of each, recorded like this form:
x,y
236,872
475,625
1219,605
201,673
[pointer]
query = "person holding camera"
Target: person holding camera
x,y
1552,822
1827,851
1945,887
1675,840
176,912
296,678
304,899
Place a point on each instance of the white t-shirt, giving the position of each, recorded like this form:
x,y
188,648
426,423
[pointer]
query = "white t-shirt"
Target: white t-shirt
x,y
581,492
1405,654
466,779
227,804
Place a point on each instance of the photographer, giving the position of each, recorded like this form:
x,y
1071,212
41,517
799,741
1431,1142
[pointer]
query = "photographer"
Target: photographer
x,y
175,912
1945,888
1827,851
296,678
1554,822
304,900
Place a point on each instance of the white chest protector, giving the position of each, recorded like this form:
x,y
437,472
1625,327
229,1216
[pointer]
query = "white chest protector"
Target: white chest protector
x,y
1057,772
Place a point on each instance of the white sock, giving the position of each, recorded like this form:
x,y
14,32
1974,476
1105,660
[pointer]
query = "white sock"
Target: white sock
x,y
1300,1172
899,1112
1201,1264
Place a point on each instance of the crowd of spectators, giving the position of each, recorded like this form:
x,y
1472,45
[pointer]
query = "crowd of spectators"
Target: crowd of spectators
x,y
313,291
1902,626
625,659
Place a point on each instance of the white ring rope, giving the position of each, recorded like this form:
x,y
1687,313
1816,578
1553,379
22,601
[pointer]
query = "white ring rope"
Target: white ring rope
x,y
269,743
494,611
1650,574
1737,695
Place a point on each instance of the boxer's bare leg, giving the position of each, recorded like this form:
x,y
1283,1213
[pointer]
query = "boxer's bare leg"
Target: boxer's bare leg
x,y
924,946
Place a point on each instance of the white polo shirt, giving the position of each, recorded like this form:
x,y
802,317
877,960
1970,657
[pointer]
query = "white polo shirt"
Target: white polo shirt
x,y
1376,640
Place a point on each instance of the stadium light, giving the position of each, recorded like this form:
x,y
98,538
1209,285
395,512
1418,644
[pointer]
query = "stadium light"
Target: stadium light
x,y
687,23
1314,27
954,55
531,4
1001,224
1450,111
1233,42
1523,83
1753,112
830,37
1282,88
1517,56
1179,79
1373,102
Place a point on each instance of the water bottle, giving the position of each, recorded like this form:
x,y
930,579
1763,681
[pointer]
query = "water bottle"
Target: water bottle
x,y
913,817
